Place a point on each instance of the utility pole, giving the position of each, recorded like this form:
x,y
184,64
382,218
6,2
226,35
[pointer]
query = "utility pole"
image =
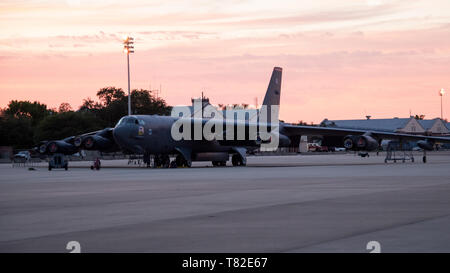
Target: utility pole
x,y
128,48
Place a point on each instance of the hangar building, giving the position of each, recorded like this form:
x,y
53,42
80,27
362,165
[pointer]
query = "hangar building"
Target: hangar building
x,y
435,127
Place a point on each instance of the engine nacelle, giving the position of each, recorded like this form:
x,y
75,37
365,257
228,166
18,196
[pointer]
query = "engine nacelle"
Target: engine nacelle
x,y
360,143
43,147
59,146
284,141
97,142
425,145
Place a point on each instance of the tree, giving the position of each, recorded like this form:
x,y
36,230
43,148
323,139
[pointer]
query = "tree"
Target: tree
x,y
113,112
16,132
89,105
109,94
143,103
114,105
34,111
66,124
18,122
419,117
64,107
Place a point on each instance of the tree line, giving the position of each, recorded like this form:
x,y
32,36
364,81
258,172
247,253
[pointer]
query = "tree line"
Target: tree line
x,y
23,124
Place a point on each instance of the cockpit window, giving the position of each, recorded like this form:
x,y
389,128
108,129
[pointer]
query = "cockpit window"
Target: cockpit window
x,y
129,120
121,121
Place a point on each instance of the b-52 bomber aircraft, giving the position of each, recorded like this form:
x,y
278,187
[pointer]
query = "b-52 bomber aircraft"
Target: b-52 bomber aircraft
x,y
188,137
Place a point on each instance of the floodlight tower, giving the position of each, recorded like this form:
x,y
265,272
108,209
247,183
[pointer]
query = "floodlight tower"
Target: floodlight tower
x,y
128,48
441,93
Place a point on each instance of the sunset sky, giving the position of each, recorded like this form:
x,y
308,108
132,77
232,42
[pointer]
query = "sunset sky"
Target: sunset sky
x,y
341,59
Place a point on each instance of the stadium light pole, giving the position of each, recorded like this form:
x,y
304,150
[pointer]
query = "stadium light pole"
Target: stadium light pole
x,y
128,48
441,93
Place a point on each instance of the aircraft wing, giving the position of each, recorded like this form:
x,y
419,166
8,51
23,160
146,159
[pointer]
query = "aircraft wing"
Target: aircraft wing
x,y
296,130
95,132
101,140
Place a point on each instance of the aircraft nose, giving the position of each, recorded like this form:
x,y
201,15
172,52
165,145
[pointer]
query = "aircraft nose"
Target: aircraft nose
x,y
123,138
120,134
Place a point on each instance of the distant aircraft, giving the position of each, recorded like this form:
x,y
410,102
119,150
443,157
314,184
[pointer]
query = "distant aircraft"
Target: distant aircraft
x,y
152,135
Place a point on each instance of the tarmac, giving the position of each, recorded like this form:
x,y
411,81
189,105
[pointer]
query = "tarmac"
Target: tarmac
x,y
297,203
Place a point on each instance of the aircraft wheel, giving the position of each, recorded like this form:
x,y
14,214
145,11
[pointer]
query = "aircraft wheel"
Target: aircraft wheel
x,y
49,168
165,161
236,160
412,159
179,160
188,163
146,159
424,159
157,161
222,163
215,163
173,164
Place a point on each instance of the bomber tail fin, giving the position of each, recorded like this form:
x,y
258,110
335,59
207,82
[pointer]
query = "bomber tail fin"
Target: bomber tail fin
x,y
272,98
274,89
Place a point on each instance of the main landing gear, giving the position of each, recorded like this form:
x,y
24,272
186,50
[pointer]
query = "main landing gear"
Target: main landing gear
x,y
219,163
237,160
163,161
180,162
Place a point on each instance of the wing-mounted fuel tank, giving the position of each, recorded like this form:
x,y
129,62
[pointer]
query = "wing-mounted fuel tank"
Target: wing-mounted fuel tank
x,y
425,144
364,142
